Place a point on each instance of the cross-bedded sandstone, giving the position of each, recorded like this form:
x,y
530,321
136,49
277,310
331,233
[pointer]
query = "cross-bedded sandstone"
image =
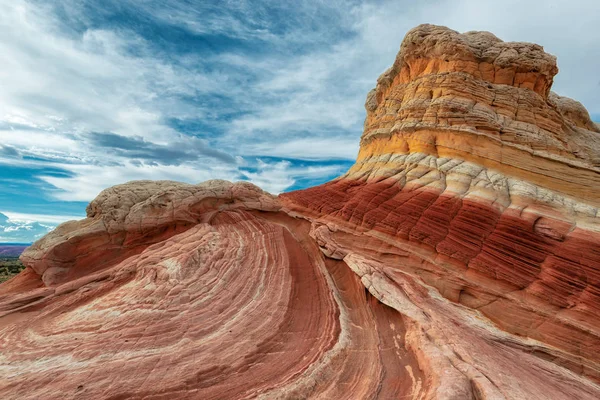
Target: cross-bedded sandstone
x,y
458,258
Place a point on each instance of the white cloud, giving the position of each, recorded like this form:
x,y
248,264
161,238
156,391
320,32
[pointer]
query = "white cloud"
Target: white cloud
x,y
21,231
89,180
50,219
60,80
308,148
275,177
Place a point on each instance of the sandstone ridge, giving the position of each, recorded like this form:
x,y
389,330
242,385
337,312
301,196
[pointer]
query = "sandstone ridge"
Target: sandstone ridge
x,y
459,258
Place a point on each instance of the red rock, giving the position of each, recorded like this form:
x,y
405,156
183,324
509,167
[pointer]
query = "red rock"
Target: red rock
x,y
453,260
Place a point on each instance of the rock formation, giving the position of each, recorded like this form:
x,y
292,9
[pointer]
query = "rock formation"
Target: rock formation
x,y
458,258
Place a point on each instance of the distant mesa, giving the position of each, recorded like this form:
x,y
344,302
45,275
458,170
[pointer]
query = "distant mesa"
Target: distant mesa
x,y
458,258
12,249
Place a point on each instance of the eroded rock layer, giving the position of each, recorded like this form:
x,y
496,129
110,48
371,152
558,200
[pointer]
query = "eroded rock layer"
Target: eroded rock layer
x,y
241,304
476,179
459,258
529,268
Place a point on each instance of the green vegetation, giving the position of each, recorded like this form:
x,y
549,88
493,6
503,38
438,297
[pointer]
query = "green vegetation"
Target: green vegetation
x,y
9,267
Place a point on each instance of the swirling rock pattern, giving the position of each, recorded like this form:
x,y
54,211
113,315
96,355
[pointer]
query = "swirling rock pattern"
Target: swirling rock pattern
x,y
239,304
458,258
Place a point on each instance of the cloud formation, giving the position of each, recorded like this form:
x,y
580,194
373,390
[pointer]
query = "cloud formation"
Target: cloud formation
x,y
19,231
179,150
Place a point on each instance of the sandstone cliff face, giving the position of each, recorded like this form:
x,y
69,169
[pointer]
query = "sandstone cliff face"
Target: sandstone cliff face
x,y
458,258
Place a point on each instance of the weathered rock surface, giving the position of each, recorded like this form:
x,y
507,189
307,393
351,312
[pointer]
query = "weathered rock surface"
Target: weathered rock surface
x,y
477,180
458,258
238,303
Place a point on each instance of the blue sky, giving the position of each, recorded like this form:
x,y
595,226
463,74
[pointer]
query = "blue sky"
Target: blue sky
x,y
96,93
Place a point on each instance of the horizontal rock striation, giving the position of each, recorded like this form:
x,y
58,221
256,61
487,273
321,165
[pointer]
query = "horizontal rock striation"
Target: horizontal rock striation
x,y
473,97
531,268
459,258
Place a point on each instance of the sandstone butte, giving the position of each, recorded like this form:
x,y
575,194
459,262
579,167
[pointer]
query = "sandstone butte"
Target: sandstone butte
x,y
459,258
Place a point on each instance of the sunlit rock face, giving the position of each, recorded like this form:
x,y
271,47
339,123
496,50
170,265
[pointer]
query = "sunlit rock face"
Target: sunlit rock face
x,y
474,179
459,258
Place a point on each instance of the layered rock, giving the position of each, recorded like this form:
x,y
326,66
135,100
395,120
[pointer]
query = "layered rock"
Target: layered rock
x,y
238,304
485,185
475,98
458,258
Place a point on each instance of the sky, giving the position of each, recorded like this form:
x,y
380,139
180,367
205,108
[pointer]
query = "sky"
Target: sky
x,y
97,93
